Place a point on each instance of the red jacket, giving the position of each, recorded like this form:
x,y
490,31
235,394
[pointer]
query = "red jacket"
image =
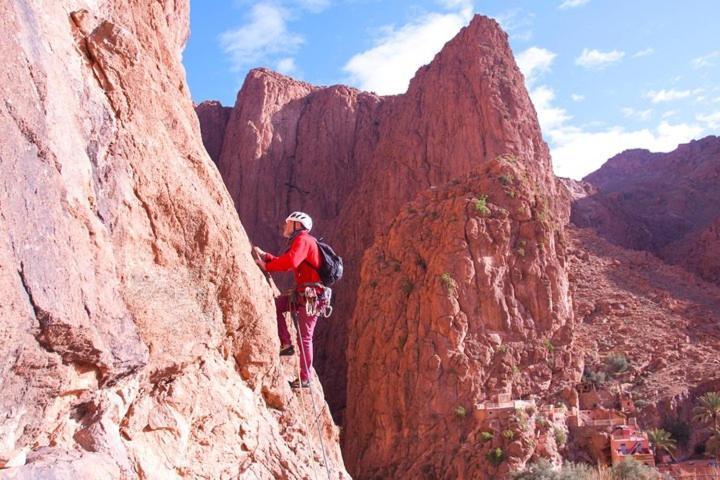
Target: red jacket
x,y
303,258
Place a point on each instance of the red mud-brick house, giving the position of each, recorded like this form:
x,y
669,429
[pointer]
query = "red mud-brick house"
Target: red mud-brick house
x,y
628,441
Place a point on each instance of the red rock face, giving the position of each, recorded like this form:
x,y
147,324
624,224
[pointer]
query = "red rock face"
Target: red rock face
x,y
665,203
353,159
138,335
214,118
465,297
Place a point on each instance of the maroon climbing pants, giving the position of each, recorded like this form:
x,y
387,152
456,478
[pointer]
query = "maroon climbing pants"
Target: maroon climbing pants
x,y
305,332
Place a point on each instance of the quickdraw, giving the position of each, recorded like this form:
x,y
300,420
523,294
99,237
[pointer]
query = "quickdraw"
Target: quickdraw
x,y
317,303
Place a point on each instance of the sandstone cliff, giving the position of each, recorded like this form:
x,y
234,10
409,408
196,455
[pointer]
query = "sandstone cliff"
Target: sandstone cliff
x,y
138,335
353,159
464,298
665,203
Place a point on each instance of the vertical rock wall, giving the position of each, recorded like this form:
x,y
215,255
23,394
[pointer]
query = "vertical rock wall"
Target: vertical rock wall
x,y
138,335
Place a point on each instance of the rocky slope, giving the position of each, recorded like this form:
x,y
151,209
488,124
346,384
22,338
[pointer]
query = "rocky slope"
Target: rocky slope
x,y
464,298
663,320
138,336
353,159
665,203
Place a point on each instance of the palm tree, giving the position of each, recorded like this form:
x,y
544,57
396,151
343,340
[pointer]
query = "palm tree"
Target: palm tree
x,y
708,410
662,440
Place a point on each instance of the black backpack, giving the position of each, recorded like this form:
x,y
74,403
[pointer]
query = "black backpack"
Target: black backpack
x,y
331,266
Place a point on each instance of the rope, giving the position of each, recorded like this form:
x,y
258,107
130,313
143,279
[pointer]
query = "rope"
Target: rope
x,y
294,314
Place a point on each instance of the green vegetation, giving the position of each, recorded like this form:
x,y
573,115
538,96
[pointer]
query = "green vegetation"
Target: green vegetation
x,y
593,378
480,205
560,436
449,283
506,179
502,348
508,157
629,469
662,440
510,193
708,410
495,456
616,364
486,436
541,422
460,411
549,345
508,434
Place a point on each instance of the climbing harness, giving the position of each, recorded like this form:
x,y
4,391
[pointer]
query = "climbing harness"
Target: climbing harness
x,y
296,322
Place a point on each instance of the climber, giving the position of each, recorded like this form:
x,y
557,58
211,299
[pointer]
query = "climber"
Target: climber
x,y
307,299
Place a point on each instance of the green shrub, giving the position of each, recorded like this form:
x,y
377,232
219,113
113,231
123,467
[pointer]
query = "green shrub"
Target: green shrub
x,y
495,456
631,469
480,205
616,363
460,411
541,422
549,345
596,379
560,436
508,434
506,179
486,436
449,283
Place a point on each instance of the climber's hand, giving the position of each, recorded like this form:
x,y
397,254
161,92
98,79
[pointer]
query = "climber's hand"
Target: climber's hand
x,y
261,263
259,252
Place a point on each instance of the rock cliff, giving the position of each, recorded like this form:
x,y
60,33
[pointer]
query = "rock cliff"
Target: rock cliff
x,y
665,203
138,335
353,159
214,118
464,298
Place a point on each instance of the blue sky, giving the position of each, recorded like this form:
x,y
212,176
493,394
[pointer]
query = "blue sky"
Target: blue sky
x,y
604,75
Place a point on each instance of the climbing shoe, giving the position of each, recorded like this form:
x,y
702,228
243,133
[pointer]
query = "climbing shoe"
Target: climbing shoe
x,y
287,350
298,384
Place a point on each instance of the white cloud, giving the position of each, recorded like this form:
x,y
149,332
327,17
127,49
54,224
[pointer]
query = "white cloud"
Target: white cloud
x,y
572,3
577,97
286,66
657,96
579,150
595,59
517,23
643,53
388,67
642,115
314,6
577,153
263,36
533,62
706,60
549,116
669,113
711,120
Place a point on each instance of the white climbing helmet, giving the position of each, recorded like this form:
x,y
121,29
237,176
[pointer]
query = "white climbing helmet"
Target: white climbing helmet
x,y
301,217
